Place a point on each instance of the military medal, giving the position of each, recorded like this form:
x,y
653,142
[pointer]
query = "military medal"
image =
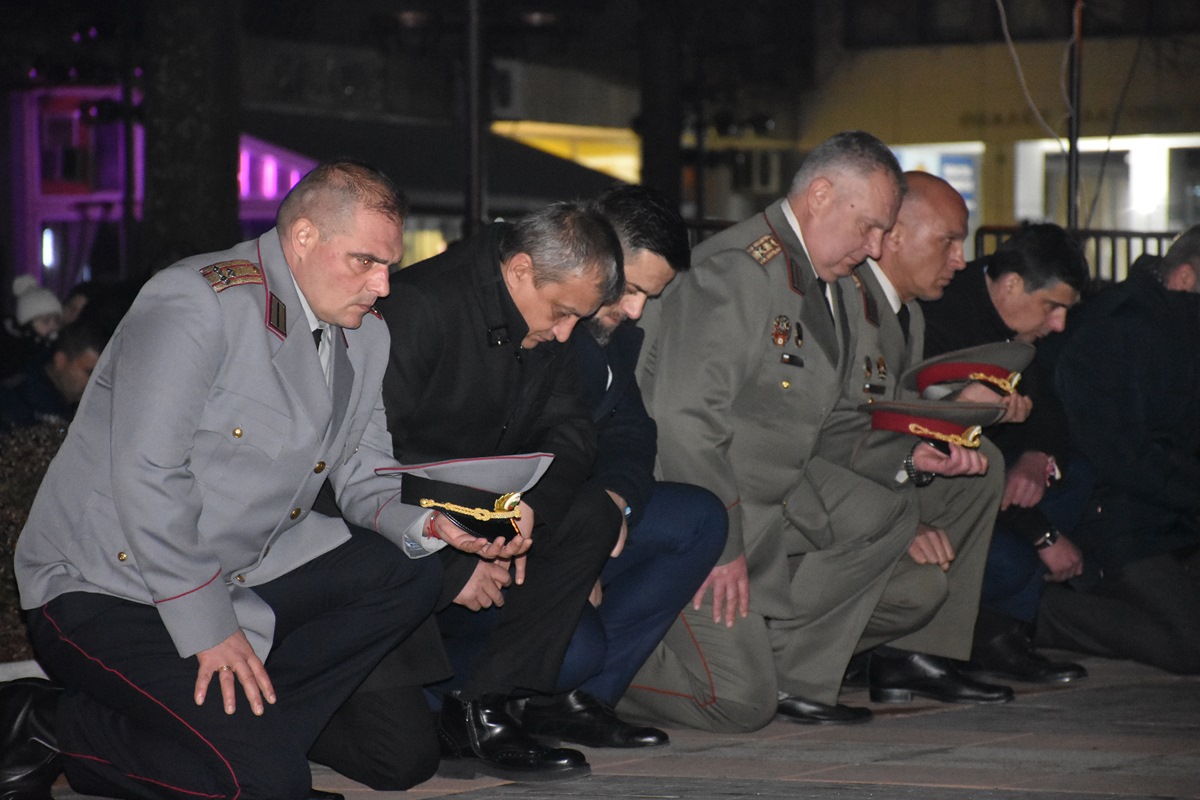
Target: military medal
x,y
873,388
881,367
780,330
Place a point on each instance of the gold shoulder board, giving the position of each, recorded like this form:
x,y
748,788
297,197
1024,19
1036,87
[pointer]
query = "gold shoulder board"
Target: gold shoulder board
x,y
764,249
224,274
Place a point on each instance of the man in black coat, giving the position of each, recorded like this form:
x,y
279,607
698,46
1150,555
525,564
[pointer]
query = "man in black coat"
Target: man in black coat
x,y
1129,377
673,533
480,366
1021,292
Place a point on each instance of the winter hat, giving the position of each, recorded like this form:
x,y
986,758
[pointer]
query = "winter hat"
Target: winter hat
x,y
32,300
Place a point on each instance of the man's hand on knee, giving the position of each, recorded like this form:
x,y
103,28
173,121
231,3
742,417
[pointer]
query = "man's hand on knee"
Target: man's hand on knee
x,y
730,584
931,546
233,661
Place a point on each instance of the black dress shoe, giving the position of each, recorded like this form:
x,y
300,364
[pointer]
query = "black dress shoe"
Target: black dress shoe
x,y
29,760
857,675
481,737
579,718
320,794
897,676
794,708
1010,656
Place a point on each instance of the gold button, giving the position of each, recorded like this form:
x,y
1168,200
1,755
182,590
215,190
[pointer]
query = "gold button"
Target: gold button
x,y
237,433
241,578
319,468
121,556
785,384
295,513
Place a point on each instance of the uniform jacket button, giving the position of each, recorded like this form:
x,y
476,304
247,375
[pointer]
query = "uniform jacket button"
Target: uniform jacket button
x,y
319,468
237,433
122,556
240,578
295,513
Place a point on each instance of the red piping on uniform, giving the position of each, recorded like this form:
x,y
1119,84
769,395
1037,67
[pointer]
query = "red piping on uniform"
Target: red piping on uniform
x,y
712,690
189,591
157,702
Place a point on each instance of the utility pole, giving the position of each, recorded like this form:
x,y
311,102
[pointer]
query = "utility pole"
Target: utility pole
x,y
476,211
1076,62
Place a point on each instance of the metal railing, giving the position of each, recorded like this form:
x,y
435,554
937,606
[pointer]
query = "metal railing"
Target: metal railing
x,y
1109,253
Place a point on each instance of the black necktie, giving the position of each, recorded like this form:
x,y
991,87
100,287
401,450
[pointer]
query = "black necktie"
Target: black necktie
x,y
821,287
317,334
902,315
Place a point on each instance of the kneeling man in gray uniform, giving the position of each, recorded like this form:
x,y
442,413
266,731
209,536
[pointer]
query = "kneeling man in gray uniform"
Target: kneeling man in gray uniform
x,y
204,621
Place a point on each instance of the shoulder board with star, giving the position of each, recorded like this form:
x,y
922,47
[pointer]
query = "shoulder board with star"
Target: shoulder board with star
x,y
870,309
764,248
222,275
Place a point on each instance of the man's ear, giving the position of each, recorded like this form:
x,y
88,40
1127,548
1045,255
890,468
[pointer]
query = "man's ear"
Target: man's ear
x,y
894,238
819,195
1013,283
518,268
303,235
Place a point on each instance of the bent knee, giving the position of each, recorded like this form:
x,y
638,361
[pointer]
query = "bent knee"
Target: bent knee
x,y
915,593
743,714
1183,659
275,777
739,712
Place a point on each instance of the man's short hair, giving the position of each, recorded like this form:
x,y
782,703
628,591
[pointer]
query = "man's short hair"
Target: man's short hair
x,y
854,151
565,241
646,220
1184,250
334,190
80,336
1042,254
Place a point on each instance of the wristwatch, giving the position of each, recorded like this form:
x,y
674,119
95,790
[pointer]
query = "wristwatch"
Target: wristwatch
x,y
915,475
1047,539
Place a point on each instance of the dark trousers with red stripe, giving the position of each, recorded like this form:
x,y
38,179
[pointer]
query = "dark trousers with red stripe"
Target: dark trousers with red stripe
x,y
128,725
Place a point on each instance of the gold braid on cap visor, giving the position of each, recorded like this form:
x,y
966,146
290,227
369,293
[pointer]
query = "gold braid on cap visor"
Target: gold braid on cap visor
x,y
968,438
1007,385
506,508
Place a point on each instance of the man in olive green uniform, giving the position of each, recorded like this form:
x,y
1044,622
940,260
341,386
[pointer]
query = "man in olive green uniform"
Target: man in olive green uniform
x,y
943,569
750,358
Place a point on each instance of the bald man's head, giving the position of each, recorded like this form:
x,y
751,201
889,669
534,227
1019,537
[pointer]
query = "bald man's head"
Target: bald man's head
x,y
924,249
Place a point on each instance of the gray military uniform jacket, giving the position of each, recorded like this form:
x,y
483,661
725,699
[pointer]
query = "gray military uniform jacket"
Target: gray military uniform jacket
x,y
189,473
880,355
746,366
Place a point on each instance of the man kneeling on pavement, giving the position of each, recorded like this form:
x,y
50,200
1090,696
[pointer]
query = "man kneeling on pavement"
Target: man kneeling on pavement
x,y
499,375
757,346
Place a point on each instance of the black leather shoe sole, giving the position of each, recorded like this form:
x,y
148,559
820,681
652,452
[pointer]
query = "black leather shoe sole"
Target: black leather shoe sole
x,y
808,712
906,695
1049,673
557,740
321,794
467,768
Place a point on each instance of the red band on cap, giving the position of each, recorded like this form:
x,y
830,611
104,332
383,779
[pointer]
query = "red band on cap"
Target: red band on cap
x,y
951,371
926,428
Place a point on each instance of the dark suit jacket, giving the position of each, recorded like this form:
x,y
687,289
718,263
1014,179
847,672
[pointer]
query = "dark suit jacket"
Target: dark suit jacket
x,y
450,393
1130,379
627,435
